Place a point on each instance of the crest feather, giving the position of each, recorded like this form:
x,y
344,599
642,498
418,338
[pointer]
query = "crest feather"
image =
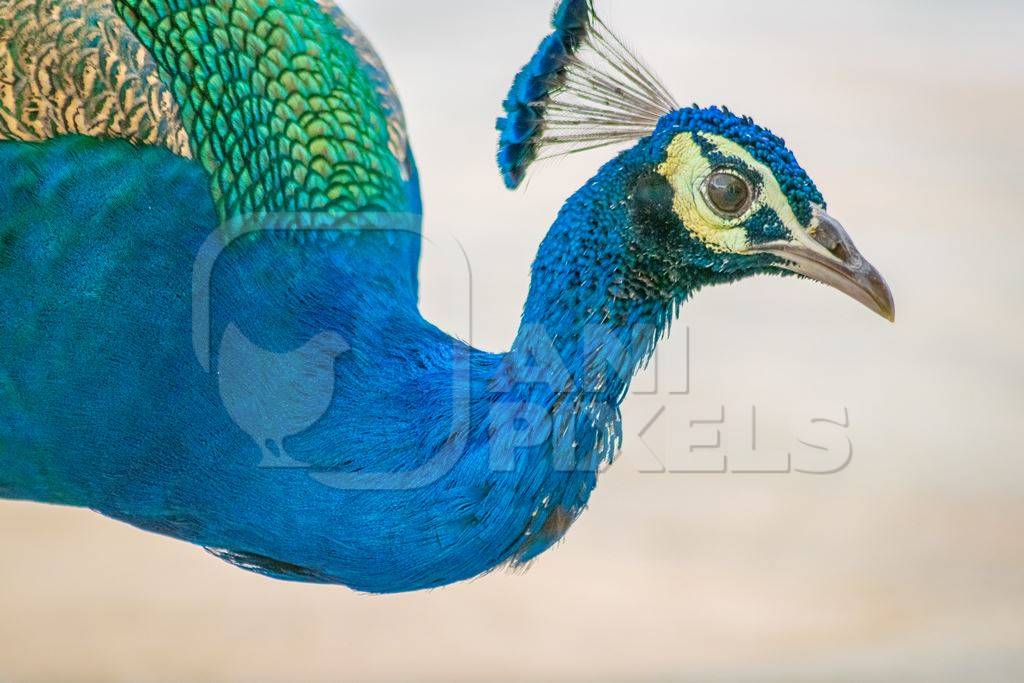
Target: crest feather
x,y
582,89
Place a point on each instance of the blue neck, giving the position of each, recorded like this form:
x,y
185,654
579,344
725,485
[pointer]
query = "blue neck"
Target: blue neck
x,y
606,284
602,293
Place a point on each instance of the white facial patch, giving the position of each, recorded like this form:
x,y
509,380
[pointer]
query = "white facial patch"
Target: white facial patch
x,y
687,171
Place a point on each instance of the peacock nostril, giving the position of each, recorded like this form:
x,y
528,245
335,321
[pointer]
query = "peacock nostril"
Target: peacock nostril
x,y
831,235
841,252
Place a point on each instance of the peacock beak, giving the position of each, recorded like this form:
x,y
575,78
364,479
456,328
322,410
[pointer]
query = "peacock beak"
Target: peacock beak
x,y
826,253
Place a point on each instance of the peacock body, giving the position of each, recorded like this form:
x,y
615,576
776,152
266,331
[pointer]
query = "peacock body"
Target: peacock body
x,y
209,244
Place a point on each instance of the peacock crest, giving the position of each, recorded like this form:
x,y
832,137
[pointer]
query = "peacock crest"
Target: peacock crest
x,y
583,89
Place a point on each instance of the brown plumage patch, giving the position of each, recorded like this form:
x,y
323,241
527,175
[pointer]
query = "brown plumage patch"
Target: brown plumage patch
x,y
556,526
73,67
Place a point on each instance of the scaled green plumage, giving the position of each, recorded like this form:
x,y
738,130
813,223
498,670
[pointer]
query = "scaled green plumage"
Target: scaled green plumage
x,y
280,111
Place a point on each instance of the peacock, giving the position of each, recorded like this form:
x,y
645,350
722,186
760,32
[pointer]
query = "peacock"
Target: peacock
x,y
210,235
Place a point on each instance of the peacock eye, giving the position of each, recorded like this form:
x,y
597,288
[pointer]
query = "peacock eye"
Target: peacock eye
x,y
729,193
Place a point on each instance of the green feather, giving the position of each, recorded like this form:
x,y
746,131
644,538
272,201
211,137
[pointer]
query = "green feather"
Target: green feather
x,y
276,104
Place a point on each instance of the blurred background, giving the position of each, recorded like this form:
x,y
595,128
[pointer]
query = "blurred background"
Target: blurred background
x,y
905,566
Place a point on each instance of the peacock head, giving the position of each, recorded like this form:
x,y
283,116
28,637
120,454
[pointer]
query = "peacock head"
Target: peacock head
x,y
722,194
